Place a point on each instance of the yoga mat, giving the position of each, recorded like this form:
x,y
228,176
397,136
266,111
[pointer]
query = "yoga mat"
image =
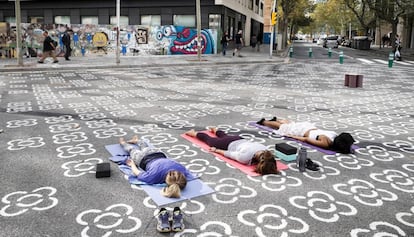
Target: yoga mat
x,y
326,151
247,169
195,187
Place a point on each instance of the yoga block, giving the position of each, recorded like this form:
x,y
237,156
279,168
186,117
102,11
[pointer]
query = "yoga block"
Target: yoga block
x,y
286,148
353,81
103,170
285,157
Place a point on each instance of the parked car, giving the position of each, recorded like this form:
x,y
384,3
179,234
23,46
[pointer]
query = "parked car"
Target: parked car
x,y
320,41
331,42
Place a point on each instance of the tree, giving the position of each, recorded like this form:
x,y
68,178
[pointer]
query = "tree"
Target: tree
x,y
391,11
363,12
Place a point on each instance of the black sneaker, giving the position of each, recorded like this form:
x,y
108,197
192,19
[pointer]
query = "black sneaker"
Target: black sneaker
x,y
177,220
311,166
163,219
40,61
56,61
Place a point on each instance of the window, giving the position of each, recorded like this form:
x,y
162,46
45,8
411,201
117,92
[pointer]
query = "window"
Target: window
x,y
62,19
214,21
92,20
250,4
36,19
123,20
184,20
151,20
10,19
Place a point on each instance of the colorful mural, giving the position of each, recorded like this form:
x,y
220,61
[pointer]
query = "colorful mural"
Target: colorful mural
x,y
96,39
183,40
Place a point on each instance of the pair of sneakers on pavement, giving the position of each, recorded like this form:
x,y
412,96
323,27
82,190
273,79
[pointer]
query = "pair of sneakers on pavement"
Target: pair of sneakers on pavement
x,y
170,222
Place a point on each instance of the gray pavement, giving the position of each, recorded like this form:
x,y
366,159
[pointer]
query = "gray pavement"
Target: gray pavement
x,y
56,124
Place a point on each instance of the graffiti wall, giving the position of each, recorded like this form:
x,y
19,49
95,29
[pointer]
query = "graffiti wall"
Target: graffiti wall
x,y
101,39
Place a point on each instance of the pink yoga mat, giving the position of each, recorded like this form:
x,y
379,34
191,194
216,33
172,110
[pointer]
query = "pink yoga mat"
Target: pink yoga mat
x,y
247,169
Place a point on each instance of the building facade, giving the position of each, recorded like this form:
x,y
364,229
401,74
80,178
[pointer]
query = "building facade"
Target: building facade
x,y
220,15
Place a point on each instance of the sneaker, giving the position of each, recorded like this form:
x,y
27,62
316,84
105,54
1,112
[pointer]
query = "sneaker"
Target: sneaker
x,y
273,119
163,219
261,121
40,61
311,166
56,61
177,220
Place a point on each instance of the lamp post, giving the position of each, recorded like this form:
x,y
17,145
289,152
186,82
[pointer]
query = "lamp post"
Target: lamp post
x,y
198,13
18,34
118,13
272,31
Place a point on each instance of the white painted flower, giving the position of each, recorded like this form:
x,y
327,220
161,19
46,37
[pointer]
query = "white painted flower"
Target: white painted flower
x,y
20,202
78,168
70,151
21,123
407,218
364,192
210,228
114,220
146,128
31,142
272,220
379,228
70,137
323,206
109,132
276,183
379,153
230,190
396,178
348,161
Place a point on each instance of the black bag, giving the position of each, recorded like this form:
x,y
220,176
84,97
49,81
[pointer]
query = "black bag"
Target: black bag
x,y
55,43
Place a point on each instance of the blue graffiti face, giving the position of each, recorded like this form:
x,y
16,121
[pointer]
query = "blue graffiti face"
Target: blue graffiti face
x,y
183,40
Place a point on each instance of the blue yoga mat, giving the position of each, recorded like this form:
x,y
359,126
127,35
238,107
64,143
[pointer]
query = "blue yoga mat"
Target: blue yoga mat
x,y
194,188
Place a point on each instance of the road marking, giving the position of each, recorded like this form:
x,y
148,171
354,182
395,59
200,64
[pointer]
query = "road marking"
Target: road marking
x,y
381,61
365,60
403,63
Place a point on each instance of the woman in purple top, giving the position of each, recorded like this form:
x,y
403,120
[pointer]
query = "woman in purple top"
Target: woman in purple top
x,y
156,167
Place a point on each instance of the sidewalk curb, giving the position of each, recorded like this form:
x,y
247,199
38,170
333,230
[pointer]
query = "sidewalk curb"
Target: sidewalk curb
x,y
186,62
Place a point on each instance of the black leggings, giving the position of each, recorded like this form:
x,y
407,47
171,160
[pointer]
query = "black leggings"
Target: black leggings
x,y
222,140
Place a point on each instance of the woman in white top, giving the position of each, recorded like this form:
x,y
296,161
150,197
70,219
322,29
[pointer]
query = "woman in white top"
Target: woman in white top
x,y
309,133
239,149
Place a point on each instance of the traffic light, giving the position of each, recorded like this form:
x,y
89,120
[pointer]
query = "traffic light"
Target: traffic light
x,y
274,18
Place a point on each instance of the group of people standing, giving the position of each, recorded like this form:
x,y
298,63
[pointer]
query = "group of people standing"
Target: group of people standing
x,y
238,43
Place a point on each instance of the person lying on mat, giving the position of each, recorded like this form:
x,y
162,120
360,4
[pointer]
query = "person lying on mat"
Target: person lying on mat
x,y
239,149
156,167
307,132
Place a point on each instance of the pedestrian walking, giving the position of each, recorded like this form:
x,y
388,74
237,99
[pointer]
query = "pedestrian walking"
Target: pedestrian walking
x,y
66,42
239,43
397,49
49,46
253,41
224,43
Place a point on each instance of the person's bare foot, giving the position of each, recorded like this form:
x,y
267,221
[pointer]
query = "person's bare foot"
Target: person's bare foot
x,y
213,130
134,140
122,141
191,133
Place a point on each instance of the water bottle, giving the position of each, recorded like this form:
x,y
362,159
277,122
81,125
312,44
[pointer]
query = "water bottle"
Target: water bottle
x,y
301,159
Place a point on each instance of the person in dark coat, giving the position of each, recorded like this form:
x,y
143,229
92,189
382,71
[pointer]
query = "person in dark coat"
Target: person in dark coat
x,y
66,43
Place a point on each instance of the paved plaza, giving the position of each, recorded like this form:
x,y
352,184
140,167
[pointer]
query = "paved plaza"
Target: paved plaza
x,y
57,122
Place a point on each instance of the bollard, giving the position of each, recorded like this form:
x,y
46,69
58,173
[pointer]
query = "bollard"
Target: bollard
x,y
83,51
390,60
310,52
341,57
123,50
291,52
330,53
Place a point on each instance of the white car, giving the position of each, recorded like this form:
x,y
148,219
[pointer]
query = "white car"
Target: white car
x,y
320,41
331,42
